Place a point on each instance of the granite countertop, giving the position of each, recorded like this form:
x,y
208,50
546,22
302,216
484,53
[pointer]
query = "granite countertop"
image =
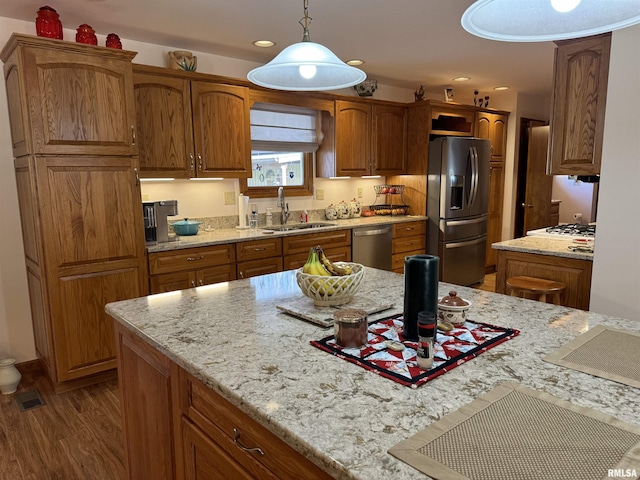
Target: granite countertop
x,y
543,246
233,235
337,414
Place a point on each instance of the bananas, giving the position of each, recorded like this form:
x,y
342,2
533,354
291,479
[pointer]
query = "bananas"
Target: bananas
x,y
331,267
313,265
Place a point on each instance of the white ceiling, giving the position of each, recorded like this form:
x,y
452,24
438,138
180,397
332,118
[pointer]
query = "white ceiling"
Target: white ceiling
x,y
404,42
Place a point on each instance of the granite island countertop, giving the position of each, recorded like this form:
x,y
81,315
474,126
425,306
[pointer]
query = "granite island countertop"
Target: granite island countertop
x,y
556,247
233,235
232,337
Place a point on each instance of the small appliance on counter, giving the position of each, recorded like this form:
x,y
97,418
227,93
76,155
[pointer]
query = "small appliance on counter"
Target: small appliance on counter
x,y
156,226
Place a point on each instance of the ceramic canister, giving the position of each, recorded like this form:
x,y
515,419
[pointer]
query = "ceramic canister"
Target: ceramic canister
x,y
9,376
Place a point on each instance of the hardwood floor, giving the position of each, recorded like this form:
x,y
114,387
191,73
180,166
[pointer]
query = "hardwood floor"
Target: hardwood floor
x,y
77,435
489,284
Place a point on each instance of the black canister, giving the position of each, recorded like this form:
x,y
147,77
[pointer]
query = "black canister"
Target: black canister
x,y
420,291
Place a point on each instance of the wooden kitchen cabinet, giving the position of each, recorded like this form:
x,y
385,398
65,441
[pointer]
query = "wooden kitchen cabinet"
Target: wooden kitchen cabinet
x,y
191,267
175,427
494,213
259,257
575,273
389,139
165,126
148,390
72,119
554,213
69,98
362,139
581,73
409,238
336,245
190,126
493,126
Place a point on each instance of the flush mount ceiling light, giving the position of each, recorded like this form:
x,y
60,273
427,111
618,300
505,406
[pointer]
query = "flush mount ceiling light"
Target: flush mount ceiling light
x,y
548,20
264,43
306,66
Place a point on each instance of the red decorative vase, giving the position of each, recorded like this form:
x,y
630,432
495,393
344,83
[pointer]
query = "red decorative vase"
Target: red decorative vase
x,y
86,34
113,41
48,23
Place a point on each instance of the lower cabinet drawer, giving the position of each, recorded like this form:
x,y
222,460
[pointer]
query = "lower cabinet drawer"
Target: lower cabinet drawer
x,y
410,244
204,459
300,244
258,249
409,229
169,282
335,254
191,258
241,437
397,260
259,267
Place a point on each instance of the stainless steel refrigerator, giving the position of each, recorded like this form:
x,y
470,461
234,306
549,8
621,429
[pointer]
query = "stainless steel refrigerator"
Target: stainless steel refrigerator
x,y
457,204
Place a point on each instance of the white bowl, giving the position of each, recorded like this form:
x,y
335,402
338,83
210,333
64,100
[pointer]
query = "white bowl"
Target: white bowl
x,y
333,290
455,315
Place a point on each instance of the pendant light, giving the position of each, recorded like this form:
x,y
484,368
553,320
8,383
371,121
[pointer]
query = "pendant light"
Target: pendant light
x,y
548,20
306,66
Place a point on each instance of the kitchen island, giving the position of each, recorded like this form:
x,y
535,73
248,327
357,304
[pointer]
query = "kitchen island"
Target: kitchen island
x,y
231,341
549,258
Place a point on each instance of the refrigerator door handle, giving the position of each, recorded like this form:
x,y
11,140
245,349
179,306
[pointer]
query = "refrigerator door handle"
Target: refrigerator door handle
x,y
456,223
465,244
474,175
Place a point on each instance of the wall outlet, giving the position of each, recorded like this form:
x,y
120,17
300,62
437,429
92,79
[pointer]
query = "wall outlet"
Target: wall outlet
x,y
319,193
359,192
229,198
145,197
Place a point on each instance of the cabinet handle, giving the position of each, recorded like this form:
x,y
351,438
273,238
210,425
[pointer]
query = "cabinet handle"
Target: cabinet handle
x,y
408,243
259,249
199,162
408,229
193,162
133,135
201,282
193,283
193,259
241,274
236,440
135,171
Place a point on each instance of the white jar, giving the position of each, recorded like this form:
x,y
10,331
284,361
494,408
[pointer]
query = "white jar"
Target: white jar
x,y
269,218
9,376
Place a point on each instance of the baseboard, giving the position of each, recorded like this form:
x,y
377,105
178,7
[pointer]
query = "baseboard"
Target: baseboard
x,y
31,367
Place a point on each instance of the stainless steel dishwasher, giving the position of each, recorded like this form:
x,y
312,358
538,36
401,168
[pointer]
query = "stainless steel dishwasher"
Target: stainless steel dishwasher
x,y
371,246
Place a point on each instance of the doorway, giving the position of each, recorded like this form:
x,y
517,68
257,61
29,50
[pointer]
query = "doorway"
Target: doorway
x,y
533,185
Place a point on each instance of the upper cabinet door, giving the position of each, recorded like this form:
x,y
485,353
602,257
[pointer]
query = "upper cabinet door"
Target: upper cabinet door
x,y
353,138
389,140
164,126
493,126
579,101
222,130
79,101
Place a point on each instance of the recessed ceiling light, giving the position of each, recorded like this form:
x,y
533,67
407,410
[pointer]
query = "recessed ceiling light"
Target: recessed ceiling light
x,y
354,62
461,79
264,43
501,87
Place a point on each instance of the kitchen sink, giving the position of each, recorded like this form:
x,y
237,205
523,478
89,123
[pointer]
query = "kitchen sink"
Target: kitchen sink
x,y
298,226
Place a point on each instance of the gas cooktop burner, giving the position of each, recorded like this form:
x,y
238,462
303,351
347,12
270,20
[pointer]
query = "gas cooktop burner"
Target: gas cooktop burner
x,y
574,229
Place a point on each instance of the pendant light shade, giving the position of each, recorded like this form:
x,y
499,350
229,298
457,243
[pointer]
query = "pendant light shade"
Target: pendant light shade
x,y
548,20
306,66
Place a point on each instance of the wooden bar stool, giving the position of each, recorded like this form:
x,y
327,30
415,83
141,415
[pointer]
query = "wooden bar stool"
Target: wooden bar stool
x,y
537,287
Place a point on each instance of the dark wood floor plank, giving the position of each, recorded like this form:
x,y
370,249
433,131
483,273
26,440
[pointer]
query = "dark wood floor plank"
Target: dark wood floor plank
x,y
77,435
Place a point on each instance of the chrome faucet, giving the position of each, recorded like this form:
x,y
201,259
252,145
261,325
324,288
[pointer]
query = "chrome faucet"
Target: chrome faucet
x,y
284,213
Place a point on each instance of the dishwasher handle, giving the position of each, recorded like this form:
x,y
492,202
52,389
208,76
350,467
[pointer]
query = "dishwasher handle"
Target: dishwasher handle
x,y
362,232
